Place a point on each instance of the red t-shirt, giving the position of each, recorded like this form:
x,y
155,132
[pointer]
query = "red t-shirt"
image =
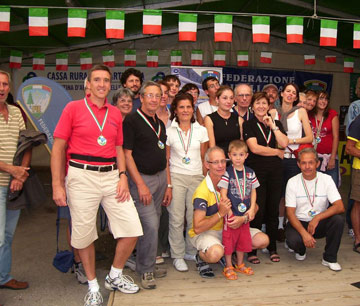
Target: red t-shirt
x,y
325,146
78,127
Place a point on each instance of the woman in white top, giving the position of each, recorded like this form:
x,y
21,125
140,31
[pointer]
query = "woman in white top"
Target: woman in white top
x,y
185,147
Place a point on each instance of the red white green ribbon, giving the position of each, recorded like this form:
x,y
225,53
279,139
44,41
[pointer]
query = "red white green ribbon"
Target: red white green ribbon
x,y
268,138
241,190
149,124
311,201
101,127
186,149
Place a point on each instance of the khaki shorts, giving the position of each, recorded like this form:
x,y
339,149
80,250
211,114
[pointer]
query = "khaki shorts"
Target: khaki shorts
x,y
355,185
254,231
206,240
85,191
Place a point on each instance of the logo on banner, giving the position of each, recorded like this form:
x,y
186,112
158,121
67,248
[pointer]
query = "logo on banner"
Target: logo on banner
x,y
208,73
316,85
36,98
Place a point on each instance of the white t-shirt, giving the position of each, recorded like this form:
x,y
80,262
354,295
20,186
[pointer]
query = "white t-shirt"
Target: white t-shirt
x,y
177,152
295,196
206,108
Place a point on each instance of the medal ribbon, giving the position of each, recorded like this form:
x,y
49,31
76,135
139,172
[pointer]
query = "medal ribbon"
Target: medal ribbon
x,y
186,149
149,124
101,127
268,138
307,191
243,190
318,129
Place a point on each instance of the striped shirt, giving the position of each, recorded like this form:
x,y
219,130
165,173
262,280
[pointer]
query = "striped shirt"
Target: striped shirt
x,y
9,135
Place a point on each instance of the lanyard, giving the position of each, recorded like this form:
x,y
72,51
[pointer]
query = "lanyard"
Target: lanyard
x,y
186,149
101,127
243,190
149,124
311,201
268,138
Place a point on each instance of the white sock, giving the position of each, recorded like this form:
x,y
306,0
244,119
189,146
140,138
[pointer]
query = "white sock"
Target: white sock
x,y
281,222
115,272
93,285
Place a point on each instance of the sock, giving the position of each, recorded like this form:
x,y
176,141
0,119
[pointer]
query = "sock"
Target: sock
x,y
281,222
93,285
115,272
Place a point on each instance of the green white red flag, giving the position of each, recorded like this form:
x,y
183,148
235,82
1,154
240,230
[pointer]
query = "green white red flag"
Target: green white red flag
x,y
349,64
330,58
223,28
187,27
115,24
294,30
243,58
152,22
39,61
356,44
309,59
85,60
196,58
15,59
176,57
62,61
77,22
108,58
266,57
219,58
4,18
152,58
328,32
130,58
38,22
261,29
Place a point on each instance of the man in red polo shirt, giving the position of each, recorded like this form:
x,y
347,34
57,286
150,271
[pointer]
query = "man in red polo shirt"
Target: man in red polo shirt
x,y
88,151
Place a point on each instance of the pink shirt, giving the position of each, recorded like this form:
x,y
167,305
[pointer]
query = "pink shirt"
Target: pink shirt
x,y
78,127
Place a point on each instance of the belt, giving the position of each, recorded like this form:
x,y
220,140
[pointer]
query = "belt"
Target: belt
x,y
289,155
93,168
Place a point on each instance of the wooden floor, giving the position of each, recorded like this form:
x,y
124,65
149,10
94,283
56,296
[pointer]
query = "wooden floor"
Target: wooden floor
x,y
286,283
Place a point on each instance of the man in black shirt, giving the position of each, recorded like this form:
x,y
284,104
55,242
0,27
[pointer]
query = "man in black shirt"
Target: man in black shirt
x,y
150,187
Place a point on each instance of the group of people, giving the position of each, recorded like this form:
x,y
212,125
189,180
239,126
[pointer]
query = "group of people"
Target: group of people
x,y
208,184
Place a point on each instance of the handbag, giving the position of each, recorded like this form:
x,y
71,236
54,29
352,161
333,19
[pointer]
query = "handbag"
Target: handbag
x,y
300,148
63,260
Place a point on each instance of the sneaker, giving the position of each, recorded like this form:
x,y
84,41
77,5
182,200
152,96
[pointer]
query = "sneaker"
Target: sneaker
x,y
287,247
148,280
351,233
180,265
204,269
165,254
265,251
159,260
123,283
80,273
300,257
189,257
160,272
222,262
131,263
332,265
93,298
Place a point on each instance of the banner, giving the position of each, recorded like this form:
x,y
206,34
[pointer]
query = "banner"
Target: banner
x,y
43,101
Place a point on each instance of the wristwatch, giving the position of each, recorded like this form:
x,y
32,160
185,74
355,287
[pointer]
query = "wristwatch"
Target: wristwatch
x,y
294,141
169,186
122,172
275,129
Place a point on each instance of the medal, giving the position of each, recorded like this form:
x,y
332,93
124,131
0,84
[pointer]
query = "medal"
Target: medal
x,y
242,207
242,191
186,160
318,130
318,139
159,143
101,140
311,213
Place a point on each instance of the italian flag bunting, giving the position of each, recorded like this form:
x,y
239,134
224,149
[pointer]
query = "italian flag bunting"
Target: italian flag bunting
x,y
115,24
85,60
62,61
176,57
356,35
130,58
196,58
330,58
4,18
76,22
261,29
219,58
348,64
152,22
38,22
243,58
108,58
15,59
309,59
39,61
266,57
328,33
187,27
223,28
294,30
152,58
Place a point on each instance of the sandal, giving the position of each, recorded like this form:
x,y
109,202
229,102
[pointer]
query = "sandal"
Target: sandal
x,y
253,259
274,257
229,273
356,247
244,270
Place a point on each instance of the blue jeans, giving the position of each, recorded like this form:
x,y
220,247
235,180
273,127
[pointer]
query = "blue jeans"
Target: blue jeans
x,y
334,173
8,222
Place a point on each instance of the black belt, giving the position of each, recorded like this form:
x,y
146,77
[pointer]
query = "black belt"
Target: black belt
x,y
93,168
89,158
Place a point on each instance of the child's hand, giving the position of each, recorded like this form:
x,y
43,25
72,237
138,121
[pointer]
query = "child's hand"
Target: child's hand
x,y
251,214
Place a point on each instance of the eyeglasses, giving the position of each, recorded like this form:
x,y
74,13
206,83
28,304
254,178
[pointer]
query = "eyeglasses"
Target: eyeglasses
x,y
243,95
217,162
151,96
212,86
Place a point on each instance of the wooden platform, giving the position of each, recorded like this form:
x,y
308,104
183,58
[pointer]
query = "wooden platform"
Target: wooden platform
x,y
286,283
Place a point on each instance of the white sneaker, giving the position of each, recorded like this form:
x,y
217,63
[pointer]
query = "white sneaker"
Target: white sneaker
x,y
165,254
300,257
332,265
287,247
80,273
180,265
93,299
159,260
189,257
123,283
